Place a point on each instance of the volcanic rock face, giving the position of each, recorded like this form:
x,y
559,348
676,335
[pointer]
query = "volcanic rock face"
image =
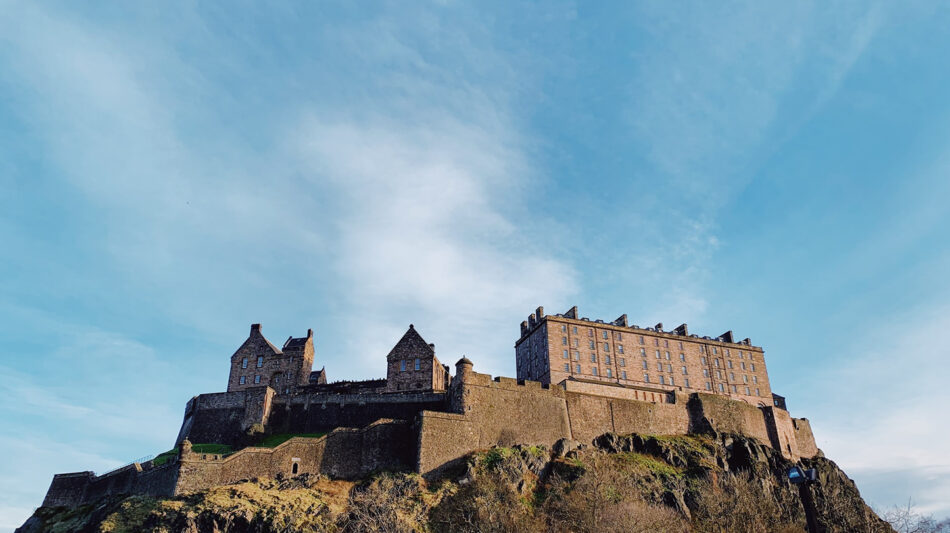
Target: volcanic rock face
x,y
619,483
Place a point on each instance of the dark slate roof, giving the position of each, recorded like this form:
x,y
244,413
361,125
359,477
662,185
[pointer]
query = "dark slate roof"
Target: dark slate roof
x,y
318,376
411,345
295,343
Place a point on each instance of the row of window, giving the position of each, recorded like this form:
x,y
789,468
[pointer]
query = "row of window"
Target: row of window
x,y
416,366
656,341
243,379
622,361
663,380
260,361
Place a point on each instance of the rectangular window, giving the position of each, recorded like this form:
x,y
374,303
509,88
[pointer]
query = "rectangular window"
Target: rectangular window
x,y
244,363
644,365
735,389
755,380
643,352
646,378
623,374
257,379
747,391
666,343
417,364
706,372
603,334
563,327
260,361
590,332
593,371
659,366
620,348
619,336
243,380
577,355
722,388
742,365
593,358
610,373
669,367
577,369
667,354
757,392
682,357
607,359
708,386
574,330
656,342
703,359
752,366
732,376
745,378
641,339
717,362
623,362
658,354
565,356
702,348
671,381
564,341
590,344
719,374
606,347
687,383
662,380
727,351
402,365
741,356
729,363
567,367
575,343
684,371
681,345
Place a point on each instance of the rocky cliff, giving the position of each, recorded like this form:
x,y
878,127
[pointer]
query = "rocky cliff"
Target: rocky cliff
x,y
724,483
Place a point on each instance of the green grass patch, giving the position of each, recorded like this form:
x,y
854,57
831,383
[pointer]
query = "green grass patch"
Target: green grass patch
x,y
650,463
165,457
271,441
495,456
220,449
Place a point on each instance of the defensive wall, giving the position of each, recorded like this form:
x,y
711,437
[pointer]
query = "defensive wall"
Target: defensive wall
x,y
503,411
426,432
343,453
226,417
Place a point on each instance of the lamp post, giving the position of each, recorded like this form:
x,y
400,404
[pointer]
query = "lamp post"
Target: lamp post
x,y
804,478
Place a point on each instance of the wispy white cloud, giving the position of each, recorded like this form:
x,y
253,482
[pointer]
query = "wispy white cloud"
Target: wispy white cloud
x,y
421,226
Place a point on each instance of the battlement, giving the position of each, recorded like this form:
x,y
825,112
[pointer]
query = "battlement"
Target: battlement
x,y
620,324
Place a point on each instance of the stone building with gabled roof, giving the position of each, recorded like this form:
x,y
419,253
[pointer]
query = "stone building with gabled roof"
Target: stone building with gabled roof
x,y
259,363
412,365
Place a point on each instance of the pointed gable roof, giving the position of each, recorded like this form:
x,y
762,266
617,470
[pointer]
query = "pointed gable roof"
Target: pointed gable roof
x,y
256,343
411,345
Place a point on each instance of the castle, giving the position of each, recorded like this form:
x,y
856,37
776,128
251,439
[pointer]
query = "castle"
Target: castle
x,y
577,379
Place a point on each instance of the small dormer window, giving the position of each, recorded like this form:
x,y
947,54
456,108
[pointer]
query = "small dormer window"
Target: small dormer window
x,y
244,363
260,361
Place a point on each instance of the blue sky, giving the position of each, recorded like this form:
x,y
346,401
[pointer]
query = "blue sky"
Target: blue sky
x,y
171,173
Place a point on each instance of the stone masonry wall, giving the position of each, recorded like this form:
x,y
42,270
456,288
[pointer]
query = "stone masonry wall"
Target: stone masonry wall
x,y
804,437
84,487
343,453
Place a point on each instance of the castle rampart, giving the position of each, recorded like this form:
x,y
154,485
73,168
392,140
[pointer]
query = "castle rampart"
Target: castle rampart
x,y
423,418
